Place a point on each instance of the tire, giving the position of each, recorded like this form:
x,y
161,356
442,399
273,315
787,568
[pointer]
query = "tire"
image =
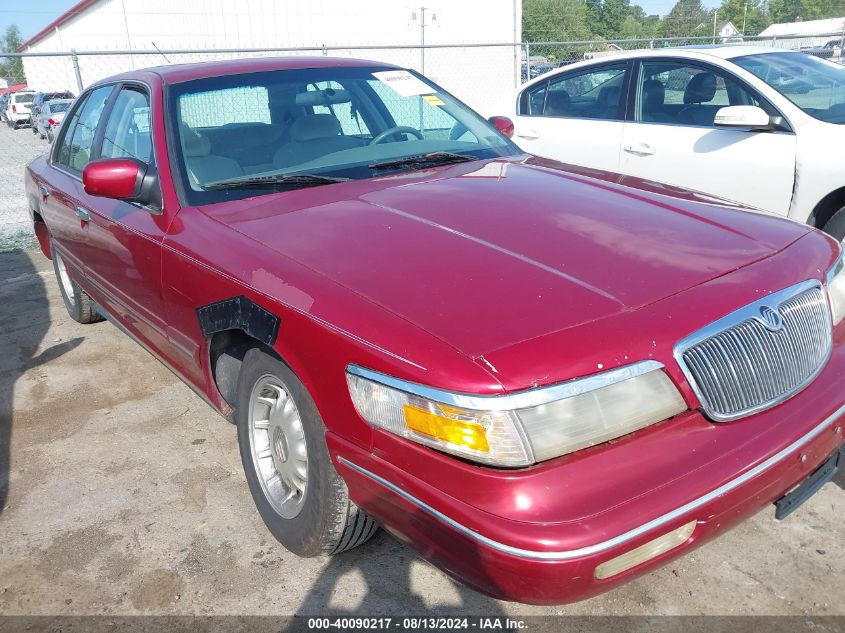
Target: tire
x,y
836,225
318,517
50,136
79,305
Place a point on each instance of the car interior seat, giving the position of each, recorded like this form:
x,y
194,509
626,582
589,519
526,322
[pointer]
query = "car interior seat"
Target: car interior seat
x,y
607,103
654,98
204,166
558,103
312,136
700,90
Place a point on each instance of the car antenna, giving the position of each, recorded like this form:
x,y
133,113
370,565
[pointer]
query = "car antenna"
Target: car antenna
x,y
159,52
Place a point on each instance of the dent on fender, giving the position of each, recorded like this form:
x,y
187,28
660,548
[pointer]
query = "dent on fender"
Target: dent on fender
x,y
239,313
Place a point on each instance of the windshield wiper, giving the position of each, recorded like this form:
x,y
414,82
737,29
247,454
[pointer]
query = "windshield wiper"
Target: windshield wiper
x,y
282,182
424,160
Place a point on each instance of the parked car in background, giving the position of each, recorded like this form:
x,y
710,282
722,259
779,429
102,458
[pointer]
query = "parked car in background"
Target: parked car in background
x,y
18,108
753,125
41,98
522,369
50,116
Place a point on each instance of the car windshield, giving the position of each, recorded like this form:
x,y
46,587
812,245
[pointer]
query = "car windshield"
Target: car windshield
x,y
335,123
58,106
817,86
24,98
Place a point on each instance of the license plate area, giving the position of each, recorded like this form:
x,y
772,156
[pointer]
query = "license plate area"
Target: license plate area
x,y
791,501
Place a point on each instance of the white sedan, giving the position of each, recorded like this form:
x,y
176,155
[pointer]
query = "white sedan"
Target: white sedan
x,y
760,126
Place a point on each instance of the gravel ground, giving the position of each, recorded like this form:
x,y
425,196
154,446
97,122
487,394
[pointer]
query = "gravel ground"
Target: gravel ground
x,y
122,493
17,148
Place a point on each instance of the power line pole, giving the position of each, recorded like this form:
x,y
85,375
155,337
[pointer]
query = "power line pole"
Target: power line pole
x,y
715,13
744,15
422,40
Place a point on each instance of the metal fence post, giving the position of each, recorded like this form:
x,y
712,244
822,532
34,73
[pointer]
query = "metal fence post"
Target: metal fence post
x,y
527,64
75,60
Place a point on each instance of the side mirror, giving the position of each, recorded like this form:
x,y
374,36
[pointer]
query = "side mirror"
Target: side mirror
x,y
123,179
745,117
503,124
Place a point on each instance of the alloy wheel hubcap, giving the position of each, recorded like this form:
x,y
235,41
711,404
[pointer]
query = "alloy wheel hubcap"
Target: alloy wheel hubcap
x,y
64,279
278,448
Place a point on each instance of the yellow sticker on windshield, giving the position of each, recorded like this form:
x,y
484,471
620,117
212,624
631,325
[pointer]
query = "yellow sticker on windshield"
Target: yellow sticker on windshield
x,y
433,100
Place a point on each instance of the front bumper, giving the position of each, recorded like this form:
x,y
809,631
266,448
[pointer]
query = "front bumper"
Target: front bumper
x,y
546,551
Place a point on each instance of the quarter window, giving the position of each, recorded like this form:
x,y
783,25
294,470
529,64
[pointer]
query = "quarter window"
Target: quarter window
x,y
127,132
683,94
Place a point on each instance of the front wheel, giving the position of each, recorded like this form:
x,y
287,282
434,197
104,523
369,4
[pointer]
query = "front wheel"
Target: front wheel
x,y
299,495
836,225
79,305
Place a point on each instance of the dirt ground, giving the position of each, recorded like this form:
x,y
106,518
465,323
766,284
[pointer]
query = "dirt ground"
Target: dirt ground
x,y
121,493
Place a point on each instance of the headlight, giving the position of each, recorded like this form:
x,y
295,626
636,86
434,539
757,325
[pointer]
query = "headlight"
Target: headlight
x,y
521,428
836,289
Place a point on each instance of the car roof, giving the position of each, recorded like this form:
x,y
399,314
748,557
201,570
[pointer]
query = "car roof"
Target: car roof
x,y
176,73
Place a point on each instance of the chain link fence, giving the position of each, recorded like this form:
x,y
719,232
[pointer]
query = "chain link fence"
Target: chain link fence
x,y
476,73
479,74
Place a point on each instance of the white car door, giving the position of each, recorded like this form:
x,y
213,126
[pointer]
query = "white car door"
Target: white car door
x,y
575,116
671,137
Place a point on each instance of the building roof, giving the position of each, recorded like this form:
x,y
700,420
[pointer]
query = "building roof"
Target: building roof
x,y
75,10
807,28
15,88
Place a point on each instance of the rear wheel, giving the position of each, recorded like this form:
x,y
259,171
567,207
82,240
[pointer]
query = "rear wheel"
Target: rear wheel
x,y
50,135
79,305
836,225
298,493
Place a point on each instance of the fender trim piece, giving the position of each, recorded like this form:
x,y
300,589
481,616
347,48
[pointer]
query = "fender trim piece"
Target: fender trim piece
x,y
239,313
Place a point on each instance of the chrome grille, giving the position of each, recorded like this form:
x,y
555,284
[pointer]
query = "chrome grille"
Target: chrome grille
x,y
760,355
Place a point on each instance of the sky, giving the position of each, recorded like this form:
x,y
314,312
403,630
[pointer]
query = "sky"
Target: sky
x,y
33,15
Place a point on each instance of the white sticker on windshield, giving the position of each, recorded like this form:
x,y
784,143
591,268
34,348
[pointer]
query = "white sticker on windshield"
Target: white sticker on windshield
x,y
404,83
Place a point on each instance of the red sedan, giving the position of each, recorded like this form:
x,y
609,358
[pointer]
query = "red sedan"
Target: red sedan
x,y
546,379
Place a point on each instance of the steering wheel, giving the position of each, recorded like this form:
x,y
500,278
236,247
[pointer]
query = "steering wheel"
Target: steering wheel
x,y
403,129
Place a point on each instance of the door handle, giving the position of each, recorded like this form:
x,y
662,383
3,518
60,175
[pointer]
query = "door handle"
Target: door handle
x,y
44,189
528,134
640,149
83,214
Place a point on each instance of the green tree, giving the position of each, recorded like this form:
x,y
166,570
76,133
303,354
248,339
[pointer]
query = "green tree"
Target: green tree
x,y
755,19
555,21
788,10
687,17
11,68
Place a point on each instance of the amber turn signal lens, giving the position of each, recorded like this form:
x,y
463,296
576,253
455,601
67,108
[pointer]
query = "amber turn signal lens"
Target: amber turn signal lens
x,y
457,432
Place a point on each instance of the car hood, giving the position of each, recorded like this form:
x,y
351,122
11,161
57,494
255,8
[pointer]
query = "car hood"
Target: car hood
x,y
486,254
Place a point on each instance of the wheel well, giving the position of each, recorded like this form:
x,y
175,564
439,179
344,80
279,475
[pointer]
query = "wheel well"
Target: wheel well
x,y
35,208
226,352
829,205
